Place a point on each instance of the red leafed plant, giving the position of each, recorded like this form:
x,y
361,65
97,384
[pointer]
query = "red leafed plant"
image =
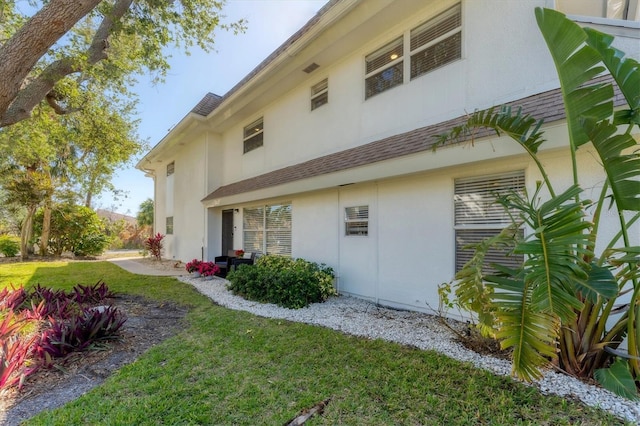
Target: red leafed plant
x,y
93,294
208,269
193,266
154,245
16,360
92,325
41,324
16,349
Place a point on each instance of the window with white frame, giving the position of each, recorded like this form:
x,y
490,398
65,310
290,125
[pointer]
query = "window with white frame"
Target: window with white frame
x,y
478,216
267,229
319,94
436,42
356,221
384,68
171,168
431,45
253,135
169,225
628,10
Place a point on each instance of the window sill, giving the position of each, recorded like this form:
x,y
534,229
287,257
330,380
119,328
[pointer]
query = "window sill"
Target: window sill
x,y
616,27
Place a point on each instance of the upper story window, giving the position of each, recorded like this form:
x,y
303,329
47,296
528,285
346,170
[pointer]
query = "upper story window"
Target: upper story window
x,y
628,10
319,94
171,168
356,221
384,68
253,135
431,45
436,42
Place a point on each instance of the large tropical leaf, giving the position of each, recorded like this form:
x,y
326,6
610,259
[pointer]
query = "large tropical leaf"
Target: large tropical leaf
x,y
625,71
554,251
599,283
618,379
577,63
620,160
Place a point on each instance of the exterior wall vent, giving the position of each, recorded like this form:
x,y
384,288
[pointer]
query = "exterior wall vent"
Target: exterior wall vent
x,y
311,68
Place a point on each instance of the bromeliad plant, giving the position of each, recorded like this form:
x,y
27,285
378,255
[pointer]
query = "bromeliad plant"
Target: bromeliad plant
x,y
40,324
567,303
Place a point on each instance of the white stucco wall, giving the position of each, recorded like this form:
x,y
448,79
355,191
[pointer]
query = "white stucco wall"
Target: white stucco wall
x,y
410,246
189,186
486,75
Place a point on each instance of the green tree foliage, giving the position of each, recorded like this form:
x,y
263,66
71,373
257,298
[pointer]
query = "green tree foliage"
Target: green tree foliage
x,y
75,229
75,153
107,42
567,303
145,214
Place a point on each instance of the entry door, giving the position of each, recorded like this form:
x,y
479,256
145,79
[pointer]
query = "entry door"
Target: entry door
x,y
227,231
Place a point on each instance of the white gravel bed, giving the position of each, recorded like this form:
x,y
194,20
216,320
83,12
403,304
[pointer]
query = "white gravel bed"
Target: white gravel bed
x,y
361,318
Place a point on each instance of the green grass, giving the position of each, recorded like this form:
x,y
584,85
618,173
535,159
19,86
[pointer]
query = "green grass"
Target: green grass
x,y
230,367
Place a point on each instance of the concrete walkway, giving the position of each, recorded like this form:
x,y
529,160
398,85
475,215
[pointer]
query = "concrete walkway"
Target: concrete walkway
x,y
129,264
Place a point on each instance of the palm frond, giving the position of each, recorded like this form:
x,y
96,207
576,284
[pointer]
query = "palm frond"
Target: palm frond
x,y
522,128
628,259
471,292
577,63
531,334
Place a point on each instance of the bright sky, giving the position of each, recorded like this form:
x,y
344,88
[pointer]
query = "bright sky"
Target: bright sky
x,y
270,23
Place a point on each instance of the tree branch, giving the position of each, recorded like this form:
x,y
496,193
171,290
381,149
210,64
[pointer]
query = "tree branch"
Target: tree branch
x,y
25,48
40,87
52,100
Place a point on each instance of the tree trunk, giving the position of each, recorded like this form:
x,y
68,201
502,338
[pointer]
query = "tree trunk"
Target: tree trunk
x,y
26,232
89,198
46,227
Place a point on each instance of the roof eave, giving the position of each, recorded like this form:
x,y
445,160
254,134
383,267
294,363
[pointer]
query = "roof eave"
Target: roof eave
x,y
289,49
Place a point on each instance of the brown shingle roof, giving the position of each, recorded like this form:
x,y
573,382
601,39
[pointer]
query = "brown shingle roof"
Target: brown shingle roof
x,y
207,104
547,106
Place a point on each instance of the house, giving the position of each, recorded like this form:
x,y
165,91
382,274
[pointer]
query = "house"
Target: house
x,y
324,151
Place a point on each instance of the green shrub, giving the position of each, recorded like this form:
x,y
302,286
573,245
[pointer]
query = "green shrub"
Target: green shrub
x,y
291,283
74,228
91,245
9,246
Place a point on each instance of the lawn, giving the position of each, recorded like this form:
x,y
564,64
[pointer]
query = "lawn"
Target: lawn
x,y
230,367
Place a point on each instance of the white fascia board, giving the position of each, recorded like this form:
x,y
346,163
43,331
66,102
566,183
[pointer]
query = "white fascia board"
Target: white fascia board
x,y
188,123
